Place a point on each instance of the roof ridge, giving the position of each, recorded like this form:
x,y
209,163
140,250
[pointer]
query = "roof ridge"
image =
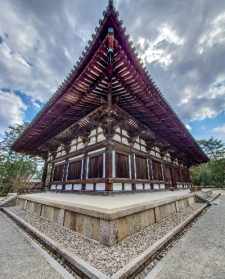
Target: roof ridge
x,y
111,4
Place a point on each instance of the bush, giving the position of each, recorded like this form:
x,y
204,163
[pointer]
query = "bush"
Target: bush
x,y
211,173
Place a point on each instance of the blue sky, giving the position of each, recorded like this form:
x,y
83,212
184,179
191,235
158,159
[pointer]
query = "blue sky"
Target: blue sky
x,y
182,43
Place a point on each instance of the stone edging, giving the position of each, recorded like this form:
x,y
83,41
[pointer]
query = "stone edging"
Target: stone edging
x,y
8,201
84,269
106,214
133,266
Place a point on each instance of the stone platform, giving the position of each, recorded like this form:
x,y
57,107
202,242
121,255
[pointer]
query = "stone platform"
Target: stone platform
x,y
107,219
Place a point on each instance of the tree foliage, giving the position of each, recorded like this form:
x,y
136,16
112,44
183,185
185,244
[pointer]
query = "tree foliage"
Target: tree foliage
x,y
15,169
214,148
213,172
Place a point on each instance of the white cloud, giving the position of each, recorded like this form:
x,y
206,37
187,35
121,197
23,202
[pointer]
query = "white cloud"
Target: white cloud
x,y
219,131
214,35
217,89
196,104
35,57
167,33
188,127
203,113
159,50
12,109
187,96
44,40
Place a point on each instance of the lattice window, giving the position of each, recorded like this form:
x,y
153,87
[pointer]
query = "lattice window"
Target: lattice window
x,y
157,170
74,170
167,157
175,174
60,151
122,166
179,174
141,168
76,144
185,175
96,136
155,151
95,166
167,173
140,144
121,136
58,172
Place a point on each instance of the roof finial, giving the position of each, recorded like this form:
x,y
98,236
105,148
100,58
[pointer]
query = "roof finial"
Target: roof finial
x,y
111,4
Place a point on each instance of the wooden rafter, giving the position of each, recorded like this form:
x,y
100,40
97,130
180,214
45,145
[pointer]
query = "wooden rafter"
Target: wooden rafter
x,y
86,89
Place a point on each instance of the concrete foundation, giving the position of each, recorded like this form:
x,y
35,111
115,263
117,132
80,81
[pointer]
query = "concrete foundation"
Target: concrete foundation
x,y
108,224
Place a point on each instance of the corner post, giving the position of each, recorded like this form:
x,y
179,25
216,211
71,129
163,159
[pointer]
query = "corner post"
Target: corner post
x,y
109,125
66,165
45,170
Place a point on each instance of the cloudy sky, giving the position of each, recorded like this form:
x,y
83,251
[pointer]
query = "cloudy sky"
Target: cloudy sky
x,y
181,42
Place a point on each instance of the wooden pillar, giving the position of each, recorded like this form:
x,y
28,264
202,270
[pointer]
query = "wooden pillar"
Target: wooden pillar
x,y
132,159
85,140
108,167
162,169
162,153
150,145
151,172
108,129
65,170
188,173
66,145
84,174
148,167
44,173
174,185
52,150
187,170
52,172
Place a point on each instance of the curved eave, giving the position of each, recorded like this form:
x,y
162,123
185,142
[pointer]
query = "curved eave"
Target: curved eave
x,y
110,18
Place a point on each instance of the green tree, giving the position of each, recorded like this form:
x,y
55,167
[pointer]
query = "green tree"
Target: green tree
x,y
201,175
217,172
213,172
214,148
15,169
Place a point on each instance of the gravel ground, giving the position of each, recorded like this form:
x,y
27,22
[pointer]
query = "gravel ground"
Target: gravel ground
x,y
200,253
2,199
149,267
107,259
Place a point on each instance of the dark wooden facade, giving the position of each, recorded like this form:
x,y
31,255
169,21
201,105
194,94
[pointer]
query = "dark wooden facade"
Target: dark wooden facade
x,y
108,127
